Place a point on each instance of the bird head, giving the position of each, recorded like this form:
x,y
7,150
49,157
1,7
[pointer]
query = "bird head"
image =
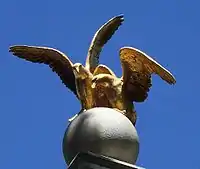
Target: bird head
x,y
80,71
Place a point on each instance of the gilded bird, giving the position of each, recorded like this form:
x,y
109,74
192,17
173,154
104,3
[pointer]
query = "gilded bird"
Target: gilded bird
x,y
135,83
63,66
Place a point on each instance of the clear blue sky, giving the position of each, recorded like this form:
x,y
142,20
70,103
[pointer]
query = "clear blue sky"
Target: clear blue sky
x,y
35,105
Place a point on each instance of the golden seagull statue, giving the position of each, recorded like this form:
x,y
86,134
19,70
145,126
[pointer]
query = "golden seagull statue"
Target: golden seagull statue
x,y
135,82
76,77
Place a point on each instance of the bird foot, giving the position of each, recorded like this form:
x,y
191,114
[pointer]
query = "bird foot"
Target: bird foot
x,y
121,111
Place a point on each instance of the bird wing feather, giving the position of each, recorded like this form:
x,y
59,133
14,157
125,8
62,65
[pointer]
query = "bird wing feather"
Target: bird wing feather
x,y
103,69
138,67
101,37
55,59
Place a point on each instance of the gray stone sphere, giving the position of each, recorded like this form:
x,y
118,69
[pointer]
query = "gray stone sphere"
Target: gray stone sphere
x,y
103,131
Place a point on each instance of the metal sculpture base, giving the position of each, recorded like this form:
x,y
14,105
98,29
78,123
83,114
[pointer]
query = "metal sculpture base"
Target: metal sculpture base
x,y
93,161
102,131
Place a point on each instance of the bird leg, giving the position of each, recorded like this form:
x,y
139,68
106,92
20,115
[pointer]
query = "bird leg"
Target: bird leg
x,y
132,116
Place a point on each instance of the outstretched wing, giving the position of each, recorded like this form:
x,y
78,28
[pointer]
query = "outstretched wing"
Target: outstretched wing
x,y
56,60
137,70
100,38
103,69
